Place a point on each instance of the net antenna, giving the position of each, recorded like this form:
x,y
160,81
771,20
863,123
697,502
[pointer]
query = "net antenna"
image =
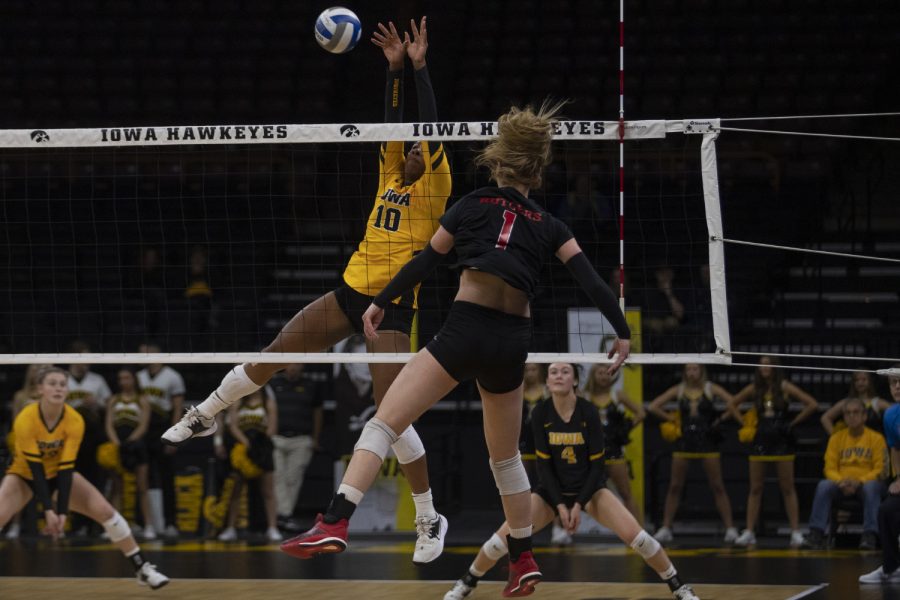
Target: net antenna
x,y
166,139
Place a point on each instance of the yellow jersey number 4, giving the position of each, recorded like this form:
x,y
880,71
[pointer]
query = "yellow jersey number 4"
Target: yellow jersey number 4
x,y
568,453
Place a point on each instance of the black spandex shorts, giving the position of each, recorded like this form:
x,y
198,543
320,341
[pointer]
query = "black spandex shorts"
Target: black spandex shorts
x,y
482,343
568,499
397,317
52,485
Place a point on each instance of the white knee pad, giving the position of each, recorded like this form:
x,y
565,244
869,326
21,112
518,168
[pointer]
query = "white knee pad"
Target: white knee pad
x,y
645,544
117,528
376,437
510,476
495,548
409,447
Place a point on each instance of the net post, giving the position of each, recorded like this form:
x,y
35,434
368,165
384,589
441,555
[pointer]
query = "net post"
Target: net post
x,y
711,200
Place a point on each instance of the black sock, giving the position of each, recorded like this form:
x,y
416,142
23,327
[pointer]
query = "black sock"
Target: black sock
x,y
340,508
517,546
470,580
674,583
137,560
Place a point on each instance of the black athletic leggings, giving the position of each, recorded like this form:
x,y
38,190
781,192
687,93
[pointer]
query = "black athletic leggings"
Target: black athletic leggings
x,y
889,530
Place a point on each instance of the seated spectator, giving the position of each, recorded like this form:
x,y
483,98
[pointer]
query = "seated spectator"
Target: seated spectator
x,y
854,462
862,386
889,512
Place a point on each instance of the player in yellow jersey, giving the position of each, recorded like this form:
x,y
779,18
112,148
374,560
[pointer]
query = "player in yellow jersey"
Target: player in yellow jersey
x,y
48,435
412,192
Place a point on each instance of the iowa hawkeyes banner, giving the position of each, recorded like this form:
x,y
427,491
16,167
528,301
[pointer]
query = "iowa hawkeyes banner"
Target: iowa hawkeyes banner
x,y
325,133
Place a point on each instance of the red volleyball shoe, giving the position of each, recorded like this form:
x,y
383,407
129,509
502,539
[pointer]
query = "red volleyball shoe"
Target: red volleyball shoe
x,y
323,538
523,576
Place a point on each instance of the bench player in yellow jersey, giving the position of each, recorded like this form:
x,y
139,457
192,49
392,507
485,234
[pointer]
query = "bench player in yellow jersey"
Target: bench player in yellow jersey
x,y
412,193
48,435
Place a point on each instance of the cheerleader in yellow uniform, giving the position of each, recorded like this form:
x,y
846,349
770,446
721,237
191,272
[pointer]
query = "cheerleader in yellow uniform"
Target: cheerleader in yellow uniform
x,y
252,421
698,439
127,422
48,435
772,442
612,404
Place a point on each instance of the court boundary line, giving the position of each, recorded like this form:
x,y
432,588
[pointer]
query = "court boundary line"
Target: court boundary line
x,y
808,592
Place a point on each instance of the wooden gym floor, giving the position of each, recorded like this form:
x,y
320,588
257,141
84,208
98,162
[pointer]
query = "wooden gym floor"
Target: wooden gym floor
x,y
376,569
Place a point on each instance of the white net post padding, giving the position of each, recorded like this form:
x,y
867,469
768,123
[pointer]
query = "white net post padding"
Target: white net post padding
x,y
711,201
589,130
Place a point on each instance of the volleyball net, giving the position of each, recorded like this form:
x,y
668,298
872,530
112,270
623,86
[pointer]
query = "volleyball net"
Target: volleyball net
x,y
206,240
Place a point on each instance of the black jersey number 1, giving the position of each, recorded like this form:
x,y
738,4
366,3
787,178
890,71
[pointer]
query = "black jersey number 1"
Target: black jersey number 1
x,y
391,218
509,219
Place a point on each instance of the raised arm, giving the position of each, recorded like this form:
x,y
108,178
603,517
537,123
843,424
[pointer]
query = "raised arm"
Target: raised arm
x,y
394,50
570,254
416,49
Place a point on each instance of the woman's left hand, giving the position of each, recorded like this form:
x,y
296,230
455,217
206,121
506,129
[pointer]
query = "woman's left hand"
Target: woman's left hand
x,y
623,348
371,320
418,46
574,519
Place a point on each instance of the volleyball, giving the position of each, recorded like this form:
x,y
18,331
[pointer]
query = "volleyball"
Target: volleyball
x,y
338,29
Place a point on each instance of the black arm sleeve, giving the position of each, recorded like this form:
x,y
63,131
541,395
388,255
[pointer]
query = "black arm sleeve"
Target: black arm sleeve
x,y
393,97
596,447
600,294
544,458
409,276
591,483
425,95
41,490
64,483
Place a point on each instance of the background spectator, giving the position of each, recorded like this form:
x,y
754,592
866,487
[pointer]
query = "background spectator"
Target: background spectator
x,y
164,389
298,399
854,462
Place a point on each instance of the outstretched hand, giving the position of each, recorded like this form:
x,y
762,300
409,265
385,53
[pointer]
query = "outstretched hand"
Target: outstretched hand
x,y
371,320
623,348
390,43
418,46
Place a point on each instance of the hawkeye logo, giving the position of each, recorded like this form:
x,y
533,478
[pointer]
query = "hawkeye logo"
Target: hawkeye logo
x,y
40,136
350,131
212,133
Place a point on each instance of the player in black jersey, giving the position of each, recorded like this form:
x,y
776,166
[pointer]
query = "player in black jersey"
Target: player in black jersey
x,y
502,238
568,436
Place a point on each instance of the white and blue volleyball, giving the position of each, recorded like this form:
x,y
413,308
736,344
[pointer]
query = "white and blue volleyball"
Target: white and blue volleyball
x,y
338,29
